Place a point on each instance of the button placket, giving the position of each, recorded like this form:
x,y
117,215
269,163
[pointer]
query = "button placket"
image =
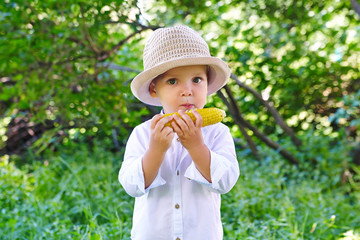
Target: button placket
x,y
177,213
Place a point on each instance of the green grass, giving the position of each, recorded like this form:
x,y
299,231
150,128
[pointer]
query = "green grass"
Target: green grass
x,y
268,204
74,194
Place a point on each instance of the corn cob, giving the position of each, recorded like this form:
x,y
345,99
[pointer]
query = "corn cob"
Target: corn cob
x,y
209,115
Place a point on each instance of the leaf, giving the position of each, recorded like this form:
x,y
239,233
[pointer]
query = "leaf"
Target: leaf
x,y
75,9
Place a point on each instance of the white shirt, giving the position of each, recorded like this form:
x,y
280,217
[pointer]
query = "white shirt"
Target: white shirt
x,y
180,203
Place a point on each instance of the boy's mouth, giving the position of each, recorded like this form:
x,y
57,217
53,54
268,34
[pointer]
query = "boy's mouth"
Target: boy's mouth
x,y
188,106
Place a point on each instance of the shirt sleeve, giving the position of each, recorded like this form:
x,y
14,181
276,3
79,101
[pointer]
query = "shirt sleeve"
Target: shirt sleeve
x,y
224,167
131,175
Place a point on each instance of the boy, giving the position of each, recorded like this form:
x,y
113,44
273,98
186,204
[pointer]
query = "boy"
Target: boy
x,y
177,173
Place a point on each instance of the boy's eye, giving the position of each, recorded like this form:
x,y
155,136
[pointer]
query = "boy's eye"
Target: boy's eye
x,y
197,80
171,81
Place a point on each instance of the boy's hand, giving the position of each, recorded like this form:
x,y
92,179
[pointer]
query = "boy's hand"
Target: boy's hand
x,y
161,135
191,138
160,140
189,133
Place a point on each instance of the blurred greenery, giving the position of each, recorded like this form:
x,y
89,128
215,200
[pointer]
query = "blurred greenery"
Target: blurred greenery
x,y
74,194
66,111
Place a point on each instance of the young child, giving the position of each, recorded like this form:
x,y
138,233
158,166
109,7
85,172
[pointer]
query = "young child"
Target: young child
x,y
177,173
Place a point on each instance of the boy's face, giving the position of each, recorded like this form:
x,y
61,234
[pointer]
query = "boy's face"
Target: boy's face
x,y
181,88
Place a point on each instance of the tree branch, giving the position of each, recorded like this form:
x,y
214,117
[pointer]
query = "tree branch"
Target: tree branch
x,y
232,110
114,66
241,121
78,41
107,54
87,34
356,6
269,105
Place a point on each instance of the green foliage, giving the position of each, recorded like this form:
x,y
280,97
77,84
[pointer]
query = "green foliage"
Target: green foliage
x,y
74,194
301,55
50,55
273,200
301,52
349,112
328,157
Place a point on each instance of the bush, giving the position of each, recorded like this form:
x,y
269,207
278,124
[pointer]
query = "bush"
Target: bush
x,y
74,194
274,200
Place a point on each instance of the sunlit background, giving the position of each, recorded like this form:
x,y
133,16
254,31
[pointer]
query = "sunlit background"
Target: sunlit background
x,y
292,104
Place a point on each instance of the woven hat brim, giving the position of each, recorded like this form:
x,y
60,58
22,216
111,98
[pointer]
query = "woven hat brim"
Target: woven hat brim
x,y
218,76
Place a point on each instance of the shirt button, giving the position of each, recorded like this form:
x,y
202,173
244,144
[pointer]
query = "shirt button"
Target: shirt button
x,y
178,139
177,206
177,173
177,238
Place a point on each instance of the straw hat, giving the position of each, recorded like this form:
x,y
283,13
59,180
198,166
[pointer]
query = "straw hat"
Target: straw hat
x,y
172,47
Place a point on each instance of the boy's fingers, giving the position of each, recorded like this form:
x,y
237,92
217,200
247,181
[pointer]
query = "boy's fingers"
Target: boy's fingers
x,y
154,120
161,123
176,128
165,119
187,119
168,131
181,121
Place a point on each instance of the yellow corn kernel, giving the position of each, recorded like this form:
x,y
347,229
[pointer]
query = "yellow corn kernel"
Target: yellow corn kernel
x,y
209,115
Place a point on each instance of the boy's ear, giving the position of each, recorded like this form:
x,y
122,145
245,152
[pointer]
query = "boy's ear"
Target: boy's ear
x,y
152,89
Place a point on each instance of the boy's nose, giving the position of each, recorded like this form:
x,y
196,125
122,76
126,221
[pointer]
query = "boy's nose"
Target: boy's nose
x,y
186,91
